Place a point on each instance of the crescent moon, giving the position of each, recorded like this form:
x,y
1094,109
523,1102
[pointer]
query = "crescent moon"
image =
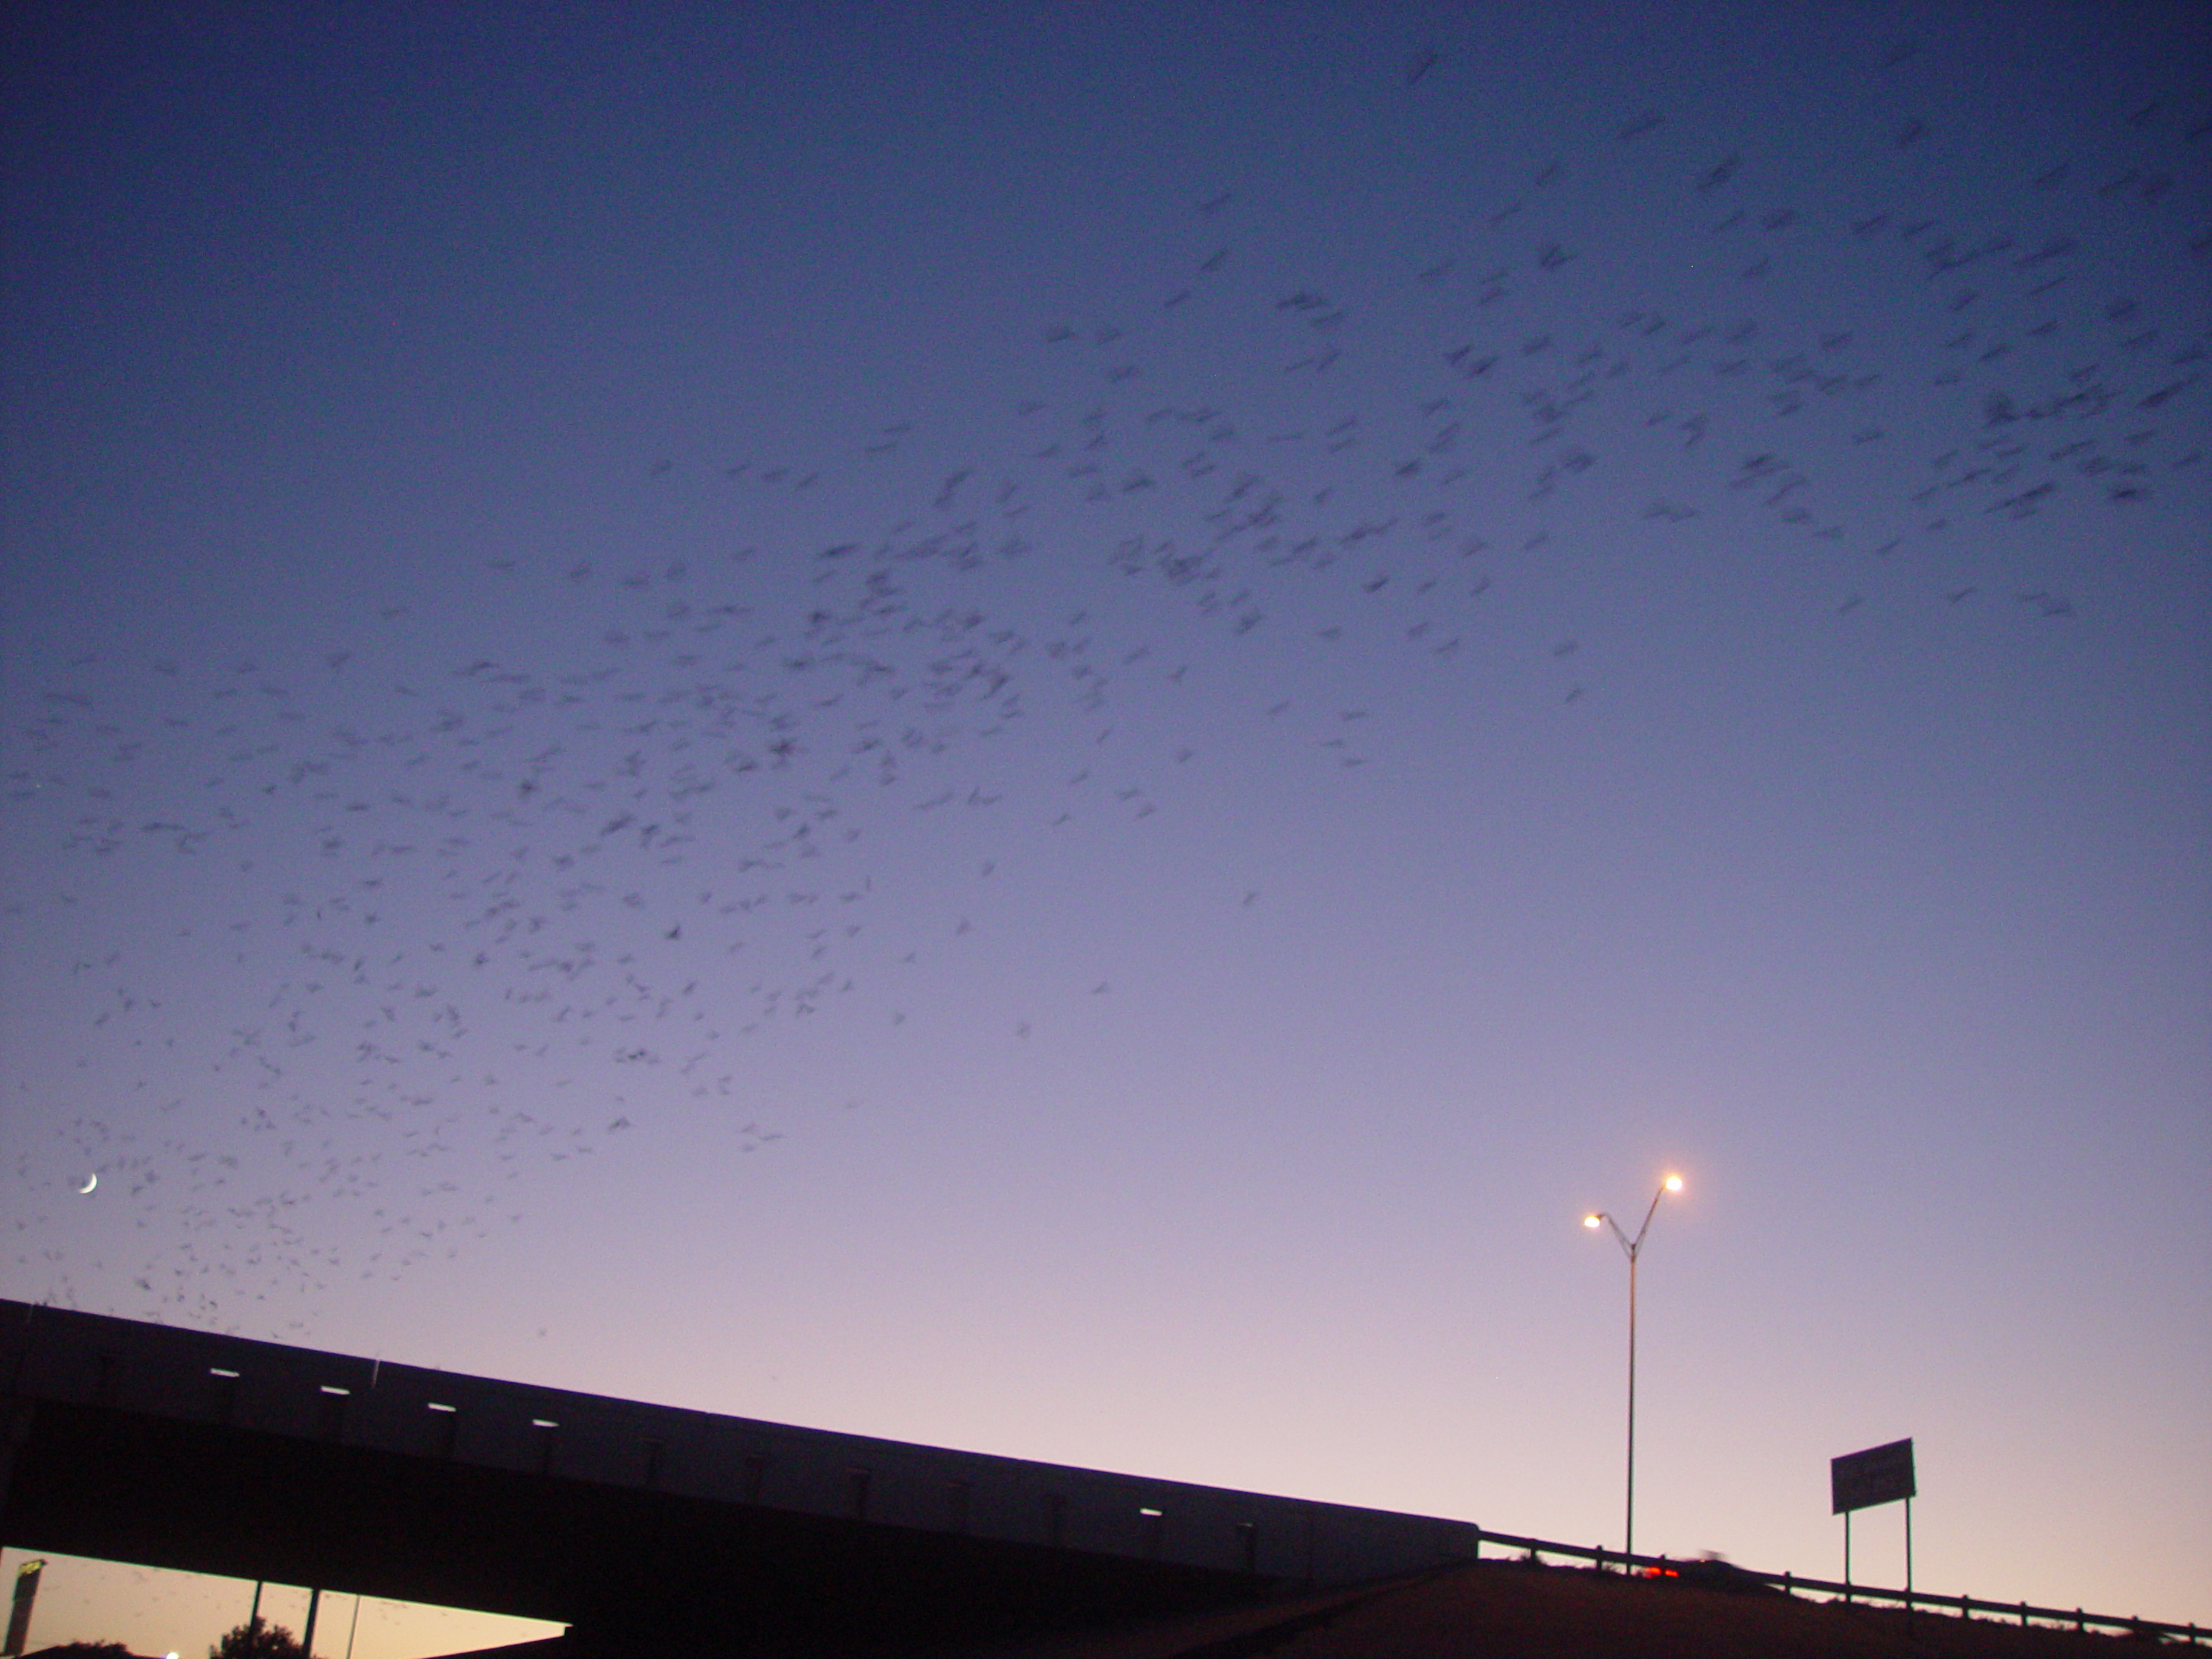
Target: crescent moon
x,y
91,1181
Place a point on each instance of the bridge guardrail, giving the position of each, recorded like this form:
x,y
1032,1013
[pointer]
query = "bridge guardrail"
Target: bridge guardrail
x,y
1915,1600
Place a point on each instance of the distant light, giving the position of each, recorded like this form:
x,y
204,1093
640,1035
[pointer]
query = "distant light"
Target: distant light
x,y
1674,1183
332,1387
1154,1514
439,1405
543,1422
1589,1221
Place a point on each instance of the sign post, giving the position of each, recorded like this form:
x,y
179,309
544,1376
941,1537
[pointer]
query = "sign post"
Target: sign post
x,y
19,1613
1860,1480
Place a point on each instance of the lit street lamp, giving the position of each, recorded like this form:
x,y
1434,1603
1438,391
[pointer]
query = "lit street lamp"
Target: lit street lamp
x,y
1633,1248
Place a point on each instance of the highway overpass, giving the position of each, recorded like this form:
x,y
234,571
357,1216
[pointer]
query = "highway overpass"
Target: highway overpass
x,y
642,1527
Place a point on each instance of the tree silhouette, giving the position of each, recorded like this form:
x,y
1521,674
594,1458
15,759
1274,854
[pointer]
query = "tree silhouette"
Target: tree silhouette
x,y
258,1640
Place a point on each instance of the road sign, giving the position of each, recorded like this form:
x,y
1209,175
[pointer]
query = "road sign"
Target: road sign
x,y
1880,1474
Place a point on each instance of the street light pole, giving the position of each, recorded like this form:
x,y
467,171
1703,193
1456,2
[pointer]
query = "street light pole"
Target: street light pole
x,y
1632,1248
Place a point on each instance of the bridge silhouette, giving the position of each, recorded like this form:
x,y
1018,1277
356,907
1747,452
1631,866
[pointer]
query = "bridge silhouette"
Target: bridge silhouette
x,y
643,1527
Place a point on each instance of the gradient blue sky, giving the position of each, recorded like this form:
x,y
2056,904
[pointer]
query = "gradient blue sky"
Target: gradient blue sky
x,y
1048,729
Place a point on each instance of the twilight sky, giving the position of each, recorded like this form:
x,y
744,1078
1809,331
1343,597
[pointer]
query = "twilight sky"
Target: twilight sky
x,y
1047,729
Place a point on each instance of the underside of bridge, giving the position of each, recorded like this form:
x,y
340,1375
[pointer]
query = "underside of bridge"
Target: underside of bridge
x,y
629,1570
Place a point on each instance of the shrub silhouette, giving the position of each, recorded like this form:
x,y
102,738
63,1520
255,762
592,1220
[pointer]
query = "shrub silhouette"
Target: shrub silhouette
x,y
257,1640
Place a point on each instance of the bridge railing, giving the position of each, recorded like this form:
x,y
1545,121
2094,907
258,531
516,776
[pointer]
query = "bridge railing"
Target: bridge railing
x,y
1790,1584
